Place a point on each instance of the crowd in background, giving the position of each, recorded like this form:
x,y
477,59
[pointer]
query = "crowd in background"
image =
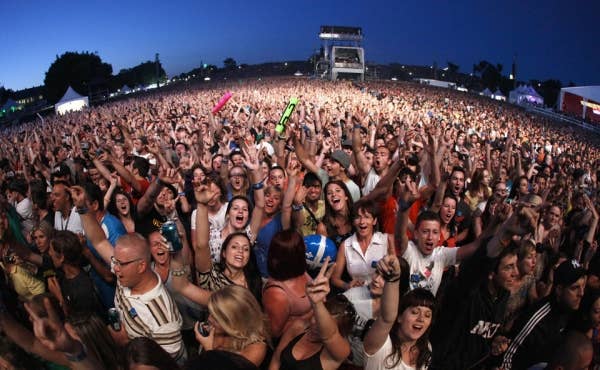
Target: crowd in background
x,y
460,233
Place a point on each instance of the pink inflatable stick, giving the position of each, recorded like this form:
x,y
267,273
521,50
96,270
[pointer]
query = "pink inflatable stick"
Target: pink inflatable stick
x,y
222,102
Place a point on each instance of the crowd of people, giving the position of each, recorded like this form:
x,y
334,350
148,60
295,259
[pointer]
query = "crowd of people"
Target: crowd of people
x,y
154,233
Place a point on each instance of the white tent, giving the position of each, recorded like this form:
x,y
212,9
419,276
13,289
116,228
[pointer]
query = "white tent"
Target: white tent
x,y
497,95
486,92
71,101
525,95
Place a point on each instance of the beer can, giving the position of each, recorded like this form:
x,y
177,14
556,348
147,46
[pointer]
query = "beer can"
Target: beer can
x,y
114,318
170,232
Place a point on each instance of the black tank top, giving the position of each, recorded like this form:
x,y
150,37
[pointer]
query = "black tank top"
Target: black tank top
x,y
288,362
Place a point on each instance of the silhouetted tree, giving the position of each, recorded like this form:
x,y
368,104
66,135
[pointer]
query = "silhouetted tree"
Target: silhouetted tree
x,y
142,74
5,94
452,68
77,70
229,63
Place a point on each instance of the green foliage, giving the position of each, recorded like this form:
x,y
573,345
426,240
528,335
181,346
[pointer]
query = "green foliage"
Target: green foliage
x,y
5,94
452,67
78,70
142,74
229,63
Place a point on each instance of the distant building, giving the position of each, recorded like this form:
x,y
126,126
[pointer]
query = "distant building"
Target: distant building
x,y
32,97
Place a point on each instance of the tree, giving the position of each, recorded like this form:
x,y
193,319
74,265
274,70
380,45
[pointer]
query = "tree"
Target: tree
x,y
229,63
77,70
5,94
452,68
490,74
142,74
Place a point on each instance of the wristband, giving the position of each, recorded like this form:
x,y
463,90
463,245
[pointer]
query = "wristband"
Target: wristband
x,y
181,193
357,126
158,182
388,280
78,357
224,160
297,208
258,186
82,210
179,273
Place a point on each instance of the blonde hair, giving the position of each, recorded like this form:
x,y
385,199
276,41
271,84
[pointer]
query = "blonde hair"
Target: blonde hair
x,y
238,313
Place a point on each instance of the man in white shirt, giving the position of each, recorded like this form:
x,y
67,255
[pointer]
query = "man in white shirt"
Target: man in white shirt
x,y
426,260
65,216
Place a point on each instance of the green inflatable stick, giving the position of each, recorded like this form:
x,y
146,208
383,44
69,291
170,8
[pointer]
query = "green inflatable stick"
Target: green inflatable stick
x,y
286,115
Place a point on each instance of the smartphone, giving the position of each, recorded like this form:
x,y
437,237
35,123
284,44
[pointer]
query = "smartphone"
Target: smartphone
x,y
204,328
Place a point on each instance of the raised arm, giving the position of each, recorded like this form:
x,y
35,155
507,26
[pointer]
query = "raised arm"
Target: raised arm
x,y
126,174
180,272
93,231
389,267
203,197
336,347
361,160
304,157
251,163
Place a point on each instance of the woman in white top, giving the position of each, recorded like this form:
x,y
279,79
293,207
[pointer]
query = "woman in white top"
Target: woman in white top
x,y
360,252
398,338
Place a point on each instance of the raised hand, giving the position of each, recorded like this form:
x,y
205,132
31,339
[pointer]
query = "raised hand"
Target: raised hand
x,y
204,194
389,267
169,175
78,196
50,331
251,158
318,288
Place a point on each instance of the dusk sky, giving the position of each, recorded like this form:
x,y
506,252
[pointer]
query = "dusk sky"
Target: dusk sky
x,y
552,39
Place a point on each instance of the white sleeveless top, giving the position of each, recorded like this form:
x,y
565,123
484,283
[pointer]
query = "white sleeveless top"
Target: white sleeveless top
x,y
359,264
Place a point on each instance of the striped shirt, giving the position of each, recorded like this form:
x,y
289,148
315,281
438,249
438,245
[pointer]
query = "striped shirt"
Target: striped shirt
x,y
154,315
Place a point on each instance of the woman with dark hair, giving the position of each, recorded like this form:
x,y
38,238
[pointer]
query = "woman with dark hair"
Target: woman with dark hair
x,y
284,295
449,235
337,222
89,329
357,253
478,189
399,337
520,189
323,343
234,268
122,207
587,321
145,354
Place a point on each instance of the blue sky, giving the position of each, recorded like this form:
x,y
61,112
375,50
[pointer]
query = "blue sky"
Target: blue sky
x,y
552,39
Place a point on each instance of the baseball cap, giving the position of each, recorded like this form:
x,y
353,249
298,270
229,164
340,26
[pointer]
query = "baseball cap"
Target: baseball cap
x,y
341,157
568,273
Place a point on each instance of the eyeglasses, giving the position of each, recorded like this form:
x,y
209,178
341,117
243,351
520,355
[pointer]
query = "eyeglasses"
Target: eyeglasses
x,y
116,262
238,175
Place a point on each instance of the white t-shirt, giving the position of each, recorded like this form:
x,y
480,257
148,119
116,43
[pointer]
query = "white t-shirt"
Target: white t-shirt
x,y
73,223
25,209
216,221
359,264
426,271
377,360
370,181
